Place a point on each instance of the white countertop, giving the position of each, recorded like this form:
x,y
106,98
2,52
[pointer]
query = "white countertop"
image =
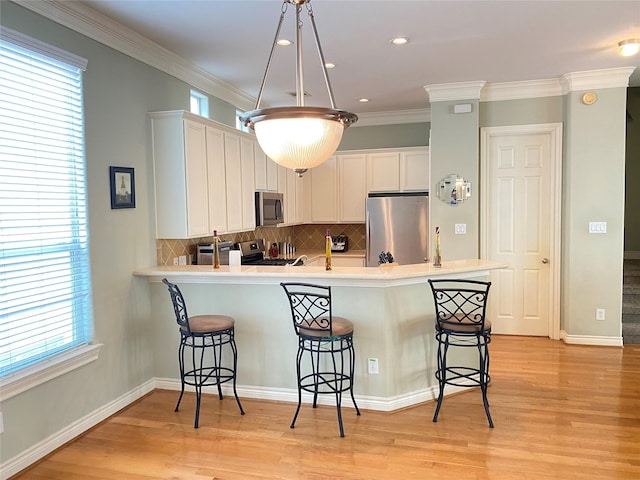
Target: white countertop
x,y
374,276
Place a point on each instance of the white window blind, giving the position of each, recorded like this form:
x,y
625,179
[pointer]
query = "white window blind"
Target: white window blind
x,y
45,286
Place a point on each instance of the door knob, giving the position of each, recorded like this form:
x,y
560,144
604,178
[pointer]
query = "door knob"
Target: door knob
x,y
545,260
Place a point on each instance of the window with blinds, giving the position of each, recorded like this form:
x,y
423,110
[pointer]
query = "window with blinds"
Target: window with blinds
x,y
45,286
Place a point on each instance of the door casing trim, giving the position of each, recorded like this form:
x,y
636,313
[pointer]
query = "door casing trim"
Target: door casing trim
x,y
555,187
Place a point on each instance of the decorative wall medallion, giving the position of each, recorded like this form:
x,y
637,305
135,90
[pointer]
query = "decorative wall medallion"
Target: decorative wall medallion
x,y
589,98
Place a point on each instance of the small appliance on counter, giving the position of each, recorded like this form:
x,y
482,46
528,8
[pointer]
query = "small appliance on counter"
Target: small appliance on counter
x,y
339,243
204,253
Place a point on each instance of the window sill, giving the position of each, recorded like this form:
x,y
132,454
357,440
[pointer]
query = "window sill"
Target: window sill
x,y
44,371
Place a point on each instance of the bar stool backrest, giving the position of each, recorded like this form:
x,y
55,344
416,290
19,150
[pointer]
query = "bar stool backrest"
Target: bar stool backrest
x,y
310,309
179,306
460,304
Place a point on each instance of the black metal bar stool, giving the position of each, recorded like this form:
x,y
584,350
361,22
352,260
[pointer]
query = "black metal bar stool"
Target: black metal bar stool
x,y
325,341
205,336
461,322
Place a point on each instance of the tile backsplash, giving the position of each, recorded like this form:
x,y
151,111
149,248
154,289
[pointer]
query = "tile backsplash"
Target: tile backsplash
x,y
304,237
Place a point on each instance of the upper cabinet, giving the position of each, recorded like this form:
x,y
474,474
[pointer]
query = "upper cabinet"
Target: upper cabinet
x,y
266,171
204,176
338,190
414,170
180,174
217,182
292,188
383,172
324,191
352,187
248,184
401,170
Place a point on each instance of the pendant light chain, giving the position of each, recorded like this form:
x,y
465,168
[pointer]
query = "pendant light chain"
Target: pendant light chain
x,y
298,137
321,55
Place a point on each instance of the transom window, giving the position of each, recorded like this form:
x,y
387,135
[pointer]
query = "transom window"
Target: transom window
x,y
199,103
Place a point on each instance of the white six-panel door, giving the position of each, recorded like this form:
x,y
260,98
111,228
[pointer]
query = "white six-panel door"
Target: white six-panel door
x,y
520,224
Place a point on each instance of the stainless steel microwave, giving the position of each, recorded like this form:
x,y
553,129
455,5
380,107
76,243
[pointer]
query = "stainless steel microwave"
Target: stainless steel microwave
x,y
269,209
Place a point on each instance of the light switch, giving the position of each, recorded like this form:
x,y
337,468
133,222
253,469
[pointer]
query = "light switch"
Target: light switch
x,y
461,229
597,227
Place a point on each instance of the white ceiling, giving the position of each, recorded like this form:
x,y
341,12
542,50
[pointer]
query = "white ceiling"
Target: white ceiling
x,y
449,41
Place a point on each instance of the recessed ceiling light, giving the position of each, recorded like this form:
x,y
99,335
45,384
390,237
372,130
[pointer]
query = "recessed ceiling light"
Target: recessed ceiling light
x,y
283,42
629,47
330,65
399,40
364,100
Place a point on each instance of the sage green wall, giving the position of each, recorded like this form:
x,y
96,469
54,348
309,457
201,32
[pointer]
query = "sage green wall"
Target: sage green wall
x,y
222,111
385,136
593,190
118,92
632,176
521,112
455,149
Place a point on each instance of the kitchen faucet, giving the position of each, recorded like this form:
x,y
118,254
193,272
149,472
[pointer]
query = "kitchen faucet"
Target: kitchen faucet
x,y
302,259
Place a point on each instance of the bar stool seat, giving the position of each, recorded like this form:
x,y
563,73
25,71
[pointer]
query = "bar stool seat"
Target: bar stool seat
x,y
205,336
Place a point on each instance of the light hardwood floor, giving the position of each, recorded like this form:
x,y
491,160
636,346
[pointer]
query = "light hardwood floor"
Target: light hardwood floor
x,y
560,412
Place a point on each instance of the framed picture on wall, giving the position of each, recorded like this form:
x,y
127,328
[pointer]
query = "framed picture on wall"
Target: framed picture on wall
x,y
123,187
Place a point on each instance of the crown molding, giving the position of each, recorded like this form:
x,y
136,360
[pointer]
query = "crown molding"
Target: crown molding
x,y
594,79
422,115
493,92
455,91
93,24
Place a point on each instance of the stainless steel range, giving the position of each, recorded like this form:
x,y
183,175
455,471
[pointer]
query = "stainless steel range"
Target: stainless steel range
x,y
252,253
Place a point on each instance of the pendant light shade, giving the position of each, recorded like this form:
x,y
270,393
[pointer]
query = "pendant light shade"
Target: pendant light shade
x,y
298,137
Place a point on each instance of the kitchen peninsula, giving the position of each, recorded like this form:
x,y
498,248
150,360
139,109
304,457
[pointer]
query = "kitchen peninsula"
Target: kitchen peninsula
x,y
391,307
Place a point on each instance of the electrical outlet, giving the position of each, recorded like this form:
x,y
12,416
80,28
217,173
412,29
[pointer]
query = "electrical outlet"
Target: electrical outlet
x,y
461,229
182,260
176,261
599,313
373,366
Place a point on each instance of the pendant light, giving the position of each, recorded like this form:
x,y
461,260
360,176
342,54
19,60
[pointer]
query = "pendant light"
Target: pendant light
x,y
298,137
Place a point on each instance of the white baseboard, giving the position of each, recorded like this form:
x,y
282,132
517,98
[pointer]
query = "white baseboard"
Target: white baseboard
x,y
631,255
590,340
49,444
290,395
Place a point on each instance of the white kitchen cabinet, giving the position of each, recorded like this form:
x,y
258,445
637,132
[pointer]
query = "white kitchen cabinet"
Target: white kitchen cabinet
x,y
234,181
260,162
402,170
383,172
291,187
248,183
324,192
266,171
272,172
352,188
216,180
204,176
414,170
180,177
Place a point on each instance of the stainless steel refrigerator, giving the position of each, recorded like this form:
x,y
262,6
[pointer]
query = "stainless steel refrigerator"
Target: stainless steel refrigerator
x,y
398,224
